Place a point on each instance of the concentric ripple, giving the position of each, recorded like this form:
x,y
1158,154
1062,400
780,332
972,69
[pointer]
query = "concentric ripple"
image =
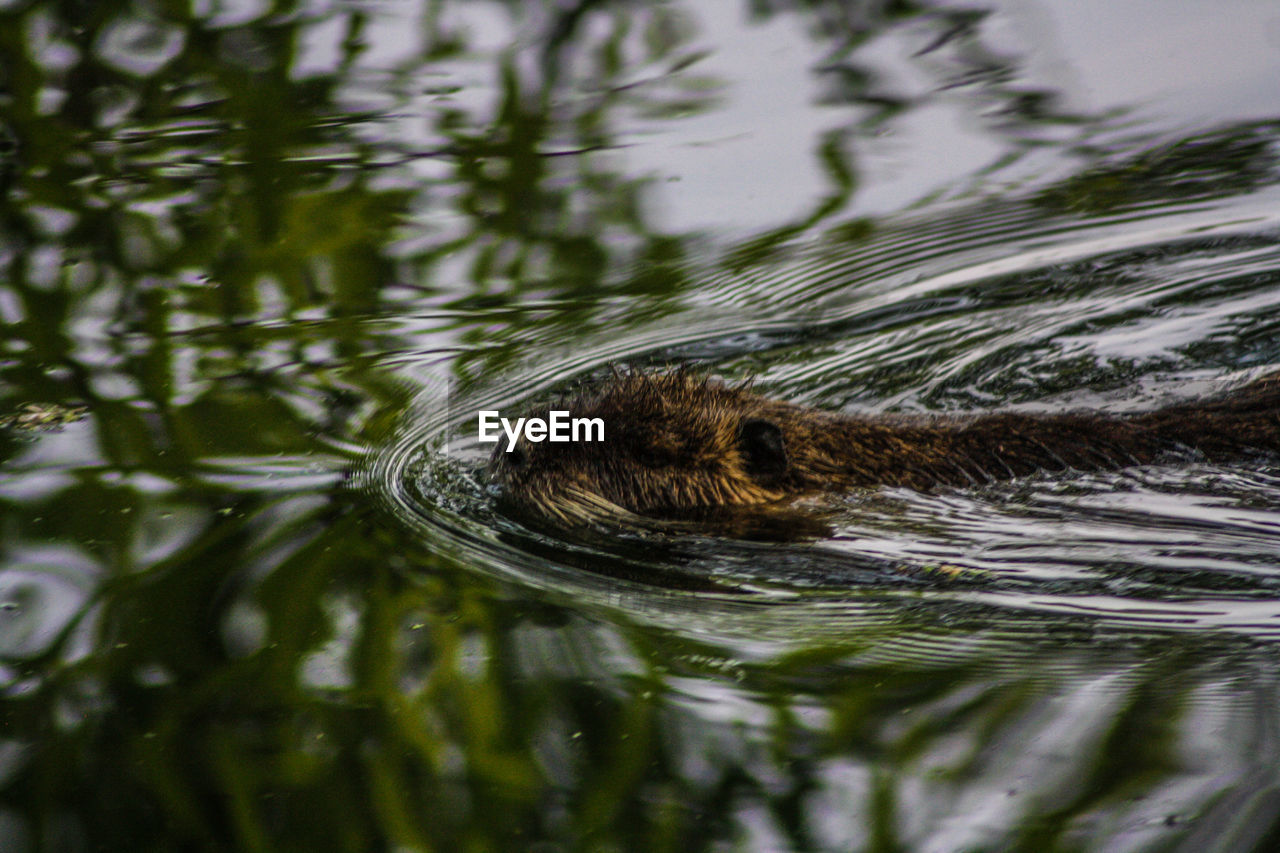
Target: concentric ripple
x,y
970,309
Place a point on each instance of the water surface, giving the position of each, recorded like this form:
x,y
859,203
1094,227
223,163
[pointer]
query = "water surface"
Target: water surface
x,y
260,264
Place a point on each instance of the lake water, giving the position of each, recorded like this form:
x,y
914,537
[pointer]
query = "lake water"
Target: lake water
x,y
262,261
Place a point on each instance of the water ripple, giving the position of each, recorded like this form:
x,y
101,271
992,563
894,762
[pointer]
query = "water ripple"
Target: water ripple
x,y
992,305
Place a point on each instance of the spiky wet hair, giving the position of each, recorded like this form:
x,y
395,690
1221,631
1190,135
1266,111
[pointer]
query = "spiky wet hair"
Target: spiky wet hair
x,y
672,441
676,443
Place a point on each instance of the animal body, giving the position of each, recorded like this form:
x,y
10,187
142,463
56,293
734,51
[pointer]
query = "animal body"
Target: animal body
x,y
676,445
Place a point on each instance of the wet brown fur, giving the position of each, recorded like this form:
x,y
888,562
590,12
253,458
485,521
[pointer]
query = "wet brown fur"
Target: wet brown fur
x,y
677,445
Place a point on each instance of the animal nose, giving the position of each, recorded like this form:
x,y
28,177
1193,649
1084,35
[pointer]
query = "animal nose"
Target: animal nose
x,y
517,457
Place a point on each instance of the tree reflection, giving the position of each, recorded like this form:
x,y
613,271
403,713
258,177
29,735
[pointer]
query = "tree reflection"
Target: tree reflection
x,y
219,222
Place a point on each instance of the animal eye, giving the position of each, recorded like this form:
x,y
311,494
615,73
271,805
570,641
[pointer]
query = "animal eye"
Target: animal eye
x,y
763,448
654,457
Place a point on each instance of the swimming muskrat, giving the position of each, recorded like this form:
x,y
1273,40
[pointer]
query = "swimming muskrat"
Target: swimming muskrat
x,y
676,445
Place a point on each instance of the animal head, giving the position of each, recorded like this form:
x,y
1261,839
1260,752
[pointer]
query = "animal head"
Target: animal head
x,y
672,443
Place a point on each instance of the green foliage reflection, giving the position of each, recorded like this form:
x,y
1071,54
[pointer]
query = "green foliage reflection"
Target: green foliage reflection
x,y
215,233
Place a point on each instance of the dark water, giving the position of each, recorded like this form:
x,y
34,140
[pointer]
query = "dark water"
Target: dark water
x,y
261,262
